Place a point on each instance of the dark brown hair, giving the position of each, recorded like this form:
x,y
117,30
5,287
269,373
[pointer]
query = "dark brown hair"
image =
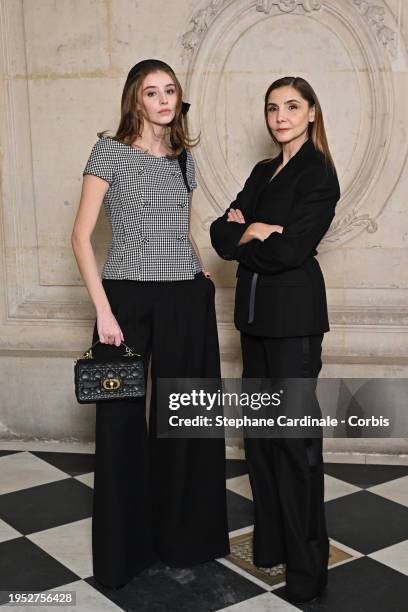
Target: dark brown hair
x,y
316,129
131,120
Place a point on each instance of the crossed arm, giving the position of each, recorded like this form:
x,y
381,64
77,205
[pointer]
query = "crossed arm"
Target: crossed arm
x,y
270,249
254,231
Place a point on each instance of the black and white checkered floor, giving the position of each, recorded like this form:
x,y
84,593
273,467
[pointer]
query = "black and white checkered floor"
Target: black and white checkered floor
x,y
45,542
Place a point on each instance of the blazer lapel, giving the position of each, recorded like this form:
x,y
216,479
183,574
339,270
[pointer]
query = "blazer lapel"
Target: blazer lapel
x,y
295,163
281,184
291,168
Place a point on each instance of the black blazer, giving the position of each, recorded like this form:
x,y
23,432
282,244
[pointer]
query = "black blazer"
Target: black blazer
x,y
280,290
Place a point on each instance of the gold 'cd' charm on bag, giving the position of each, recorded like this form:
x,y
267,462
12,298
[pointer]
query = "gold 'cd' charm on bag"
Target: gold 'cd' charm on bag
x,y
111,384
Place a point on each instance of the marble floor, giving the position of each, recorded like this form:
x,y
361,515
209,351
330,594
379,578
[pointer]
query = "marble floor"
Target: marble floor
x,y
45,541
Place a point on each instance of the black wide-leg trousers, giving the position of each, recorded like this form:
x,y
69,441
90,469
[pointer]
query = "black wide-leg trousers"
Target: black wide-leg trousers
x,y
157,498
286,474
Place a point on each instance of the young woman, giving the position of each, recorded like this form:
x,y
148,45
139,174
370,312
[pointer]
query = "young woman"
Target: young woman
x,y
272,229
154,498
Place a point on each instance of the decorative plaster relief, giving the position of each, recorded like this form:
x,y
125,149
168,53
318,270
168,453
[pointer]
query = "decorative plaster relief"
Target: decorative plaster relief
x,y
376,156
374,167
288,6
374,16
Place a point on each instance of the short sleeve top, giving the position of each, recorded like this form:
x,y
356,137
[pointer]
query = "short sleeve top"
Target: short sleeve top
x,y
147,206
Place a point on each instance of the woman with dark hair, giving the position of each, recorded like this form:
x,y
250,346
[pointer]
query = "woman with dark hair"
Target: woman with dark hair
x,y
154,498
273,229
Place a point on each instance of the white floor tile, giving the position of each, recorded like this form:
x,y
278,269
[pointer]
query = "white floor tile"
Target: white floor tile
x,y
52,446
369,458
241,531
354,553
88,599
396,490
242,572
70,544
240,485
387,459
234,452
267,602
7,532
23,470
87,479
331,457
395,556
334,488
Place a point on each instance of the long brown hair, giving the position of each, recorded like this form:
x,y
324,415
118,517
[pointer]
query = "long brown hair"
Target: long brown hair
x,y
131,119
316,130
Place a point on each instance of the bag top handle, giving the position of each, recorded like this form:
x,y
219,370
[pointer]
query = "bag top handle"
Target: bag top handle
x,y
129,351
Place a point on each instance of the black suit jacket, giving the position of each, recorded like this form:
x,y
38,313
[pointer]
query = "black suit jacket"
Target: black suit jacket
x,y
280,289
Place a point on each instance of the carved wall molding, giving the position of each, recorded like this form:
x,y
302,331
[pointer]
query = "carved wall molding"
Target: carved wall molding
x,y
348,223
374,15
201,21
50,317
376,165
288,6
203,18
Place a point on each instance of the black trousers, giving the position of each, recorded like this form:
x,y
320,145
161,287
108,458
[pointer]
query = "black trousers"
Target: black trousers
x,y
157,498
286,474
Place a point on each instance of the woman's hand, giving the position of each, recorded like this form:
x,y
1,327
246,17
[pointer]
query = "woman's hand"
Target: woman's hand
x,y
206,273
235,215
108,328
262,231
259,231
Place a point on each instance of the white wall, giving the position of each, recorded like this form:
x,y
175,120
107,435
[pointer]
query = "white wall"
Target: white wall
x,y
63,65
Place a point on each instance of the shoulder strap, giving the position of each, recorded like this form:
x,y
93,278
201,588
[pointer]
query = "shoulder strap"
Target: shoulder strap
x,y
182,160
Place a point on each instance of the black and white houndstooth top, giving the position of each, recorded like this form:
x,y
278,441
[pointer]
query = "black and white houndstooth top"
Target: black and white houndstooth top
x,y
147,205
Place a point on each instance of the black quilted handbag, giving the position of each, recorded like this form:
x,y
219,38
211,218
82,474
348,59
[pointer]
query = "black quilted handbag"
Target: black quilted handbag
x,y
97,380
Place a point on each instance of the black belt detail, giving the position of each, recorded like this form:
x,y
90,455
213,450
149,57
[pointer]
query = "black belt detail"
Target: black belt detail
x,y
252,298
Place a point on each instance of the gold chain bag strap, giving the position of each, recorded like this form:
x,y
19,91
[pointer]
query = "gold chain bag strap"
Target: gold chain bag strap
x,y
97,380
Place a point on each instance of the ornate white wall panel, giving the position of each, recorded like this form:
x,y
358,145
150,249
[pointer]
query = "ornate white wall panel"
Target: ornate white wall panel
x,y
355,61
63,64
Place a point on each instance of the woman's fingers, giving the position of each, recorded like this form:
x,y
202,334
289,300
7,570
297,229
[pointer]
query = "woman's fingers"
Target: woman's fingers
x,y
240,216
109,330
235,215
112,338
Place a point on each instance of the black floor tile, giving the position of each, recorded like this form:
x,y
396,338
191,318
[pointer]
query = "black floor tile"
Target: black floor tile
x,y
362,520
366,522
73,464
26,567
46,506
236,467
202,588
363,475
363,585
3,453
240,511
